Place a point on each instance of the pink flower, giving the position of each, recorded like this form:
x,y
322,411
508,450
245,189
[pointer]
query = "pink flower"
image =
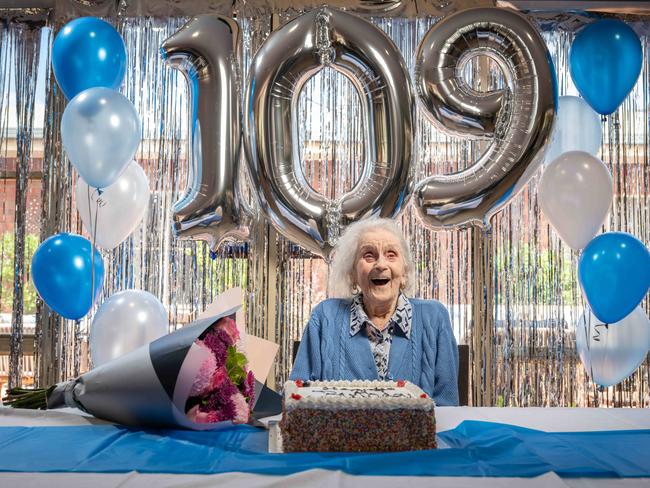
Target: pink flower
x,y
218,340
220,401
219,377
230,327
207,372
249,387
241,408
198,417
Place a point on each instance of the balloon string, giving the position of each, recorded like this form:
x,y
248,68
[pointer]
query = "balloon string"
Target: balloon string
x,y
606,349
587,334
77,348
92,244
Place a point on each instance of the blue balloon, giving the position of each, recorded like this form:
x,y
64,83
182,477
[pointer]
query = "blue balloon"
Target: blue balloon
x,y
614,272
88,53
62,273
605,62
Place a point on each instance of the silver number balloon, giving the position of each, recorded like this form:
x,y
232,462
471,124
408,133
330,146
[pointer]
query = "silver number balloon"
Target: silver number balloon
x,y
206,50
289,57
518,119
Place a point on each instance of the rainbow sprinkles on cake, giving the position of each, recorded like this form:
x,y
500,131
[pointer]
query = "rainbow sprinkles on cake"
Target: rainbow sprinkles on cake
x,y
356,416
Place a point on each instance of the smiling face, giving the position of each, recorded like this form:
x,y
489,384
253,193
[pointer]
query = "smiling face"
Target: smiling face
x,y
379,269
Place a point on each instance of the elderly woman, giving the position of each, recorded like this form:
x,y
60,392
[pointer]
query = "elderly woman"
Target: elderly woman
x,y
374,332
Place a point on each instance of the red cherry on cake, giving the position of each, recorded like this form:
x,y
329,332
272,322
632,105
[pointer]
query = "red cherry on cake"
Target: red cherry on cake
x,y
299,383
295,396
401,383
423,395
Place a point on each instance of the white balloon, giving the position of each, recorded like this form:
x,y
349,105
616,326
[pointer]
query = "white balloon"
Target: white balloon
x,y
118,210
612,353
126,321
575,194
100,131
577,128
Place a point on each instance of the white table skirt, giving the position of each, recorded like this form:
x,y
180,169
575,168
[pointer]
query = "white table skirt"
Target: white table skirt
x,y
547,419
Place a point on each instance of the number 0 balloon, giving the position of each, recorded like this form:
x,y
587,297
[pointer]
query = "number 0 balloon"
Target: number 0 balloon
x,y
322,38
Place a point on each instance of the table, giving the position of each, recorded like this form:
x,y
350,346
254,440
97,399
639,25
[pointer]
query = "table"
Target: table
x,y
546,419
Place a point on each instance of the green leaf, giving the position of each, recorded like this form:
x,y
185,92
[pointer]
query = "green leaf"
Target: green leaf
x,y
235,363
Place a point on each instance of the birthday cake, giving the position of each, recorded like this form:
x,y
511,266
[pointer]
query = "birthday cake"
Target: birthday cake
x,y
356,416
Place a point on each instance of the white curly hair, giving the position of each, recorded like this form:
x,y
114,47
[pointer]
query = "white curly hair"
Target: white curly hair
x,y
345,253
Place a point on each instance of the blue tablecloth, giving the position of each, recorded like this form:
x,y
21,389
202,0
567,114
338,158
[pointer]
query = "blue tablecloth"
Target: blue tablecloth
x,y
476,449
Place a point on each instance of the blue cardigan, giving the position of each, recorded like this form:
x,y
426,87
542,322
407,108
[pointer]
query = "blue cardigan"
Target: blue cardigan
x,y
429,358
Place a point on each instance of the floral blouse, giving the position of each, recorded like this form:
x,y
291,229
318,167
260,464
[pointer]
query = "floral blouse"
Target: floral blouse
x,y
380,340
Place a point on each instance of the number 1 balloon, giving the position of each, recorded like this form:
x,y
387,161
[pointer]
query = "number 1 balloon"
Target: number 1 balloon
x,y
517,120
321,38
206,51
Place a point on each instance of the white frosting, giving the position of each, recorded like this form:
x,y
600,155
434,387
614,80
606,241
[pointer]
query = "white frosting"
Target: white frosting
x,y
355,395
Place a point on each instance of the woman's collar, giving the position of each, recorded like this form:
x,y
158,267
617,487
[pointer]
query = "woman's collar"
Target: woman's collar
x,y
401,317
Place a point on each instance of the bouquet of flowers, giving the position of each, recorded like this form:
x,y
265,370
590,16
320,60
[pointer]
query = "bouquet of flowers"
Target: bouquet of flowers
x,y
223,388
196,377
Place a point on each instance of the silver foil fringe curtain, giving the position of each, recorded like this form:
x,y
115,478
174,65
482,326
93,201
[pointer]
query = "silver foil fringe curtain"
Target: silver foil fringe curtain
x,y
531,299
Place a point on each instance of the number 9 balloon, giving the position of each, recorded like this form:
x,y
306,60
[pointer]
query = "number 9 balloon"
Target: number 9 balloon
x,y
518,120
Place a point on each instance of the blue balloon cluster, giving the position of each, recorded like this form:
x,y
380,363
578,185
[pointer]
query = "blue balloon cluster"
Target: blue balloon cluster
x,y
605,61
614,272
